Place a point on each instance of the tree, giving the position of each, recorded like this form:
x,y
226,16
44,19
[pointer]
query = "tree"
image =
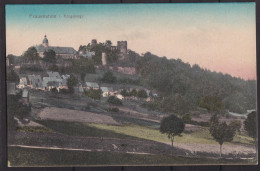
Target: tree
x,y
108,77
124,93
49,56
31,55
94,94
250,126
236,125
12,76
172,126
142,93
114,100
15,108
221,132
108,43
211,103
133,93
186,118
71,82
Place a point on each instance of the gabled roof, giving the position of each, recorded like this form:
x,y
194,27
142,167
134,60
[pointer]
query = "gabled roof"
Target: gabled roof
x,y
46,80
35,80
92,84
54,74
56,49
106,89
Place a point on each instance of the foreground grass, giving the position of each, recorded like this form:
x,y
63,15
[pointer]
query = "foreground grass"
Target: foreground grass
x,y
135,132
202,136
43,157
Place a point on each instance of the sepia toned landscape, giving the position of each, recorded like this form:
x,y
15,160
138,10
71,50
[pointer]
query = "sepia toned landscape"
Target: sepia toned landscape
x,y
122,91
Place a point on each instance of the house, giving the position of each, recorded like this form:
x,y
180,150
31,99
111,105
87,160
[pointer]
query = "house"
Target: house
x,y
23,82
65,76
107,91
92,85
35,81
119,96
51,82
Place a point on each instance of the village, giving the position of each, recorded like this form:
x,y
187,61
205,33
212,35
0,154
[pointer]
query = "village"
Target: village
x,y
92,100
51,80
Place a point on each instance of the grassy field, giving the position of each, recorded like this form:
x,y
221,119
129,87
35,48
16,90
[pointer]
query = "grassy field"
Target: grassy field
x,y
42,157
202,136
135,132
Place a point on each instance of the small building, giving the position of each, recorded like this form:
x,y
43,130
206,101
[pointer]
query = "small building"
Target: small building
x,y
23,83
107,91
25,96
11,88
92,85
119,96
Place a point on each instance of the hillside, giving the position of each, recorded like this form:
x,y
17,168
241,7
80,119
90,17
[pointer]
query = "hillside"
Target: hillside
x,y
192,83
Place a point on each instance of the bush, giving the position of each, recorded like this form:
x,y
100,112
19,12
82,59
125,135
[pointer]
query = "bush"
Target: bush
x,y
113,109
142,93
186,118
32,68
64,91
114,100
94,94
108,77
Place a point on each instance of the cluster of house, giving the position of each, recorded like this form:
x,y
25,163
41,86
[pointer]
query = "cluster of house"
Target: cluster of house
x,y
55,80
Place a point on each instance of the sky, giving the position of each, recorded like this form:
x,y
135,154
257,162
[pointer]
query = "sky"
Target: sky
x,y
217,36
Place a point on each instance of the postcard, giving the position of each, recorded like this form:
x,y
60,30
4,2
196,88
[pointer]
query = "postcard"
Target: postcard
x,y
131,84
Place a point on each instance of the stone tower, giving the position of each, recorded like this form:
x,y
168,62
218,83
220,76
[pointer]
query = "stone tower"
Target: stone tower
x,y
104,58
93,42
45,42
122,49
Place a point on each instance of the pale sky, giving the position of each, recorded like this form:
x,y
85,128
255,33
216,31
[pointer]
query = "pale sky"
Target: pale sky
x,y
217,36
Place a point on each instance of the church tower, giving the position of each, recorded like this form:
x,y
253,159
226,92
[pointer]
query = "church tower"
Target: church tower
x,y
45,42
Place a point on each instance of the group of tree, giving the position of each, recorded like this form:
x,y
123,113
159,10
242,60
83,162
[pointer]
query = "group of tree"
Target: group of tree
x,y
31,55
172,76
12,76
16,108
211,103
169,104
136,93
94,94
114,100
108,77
72,81
220,131
251,126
